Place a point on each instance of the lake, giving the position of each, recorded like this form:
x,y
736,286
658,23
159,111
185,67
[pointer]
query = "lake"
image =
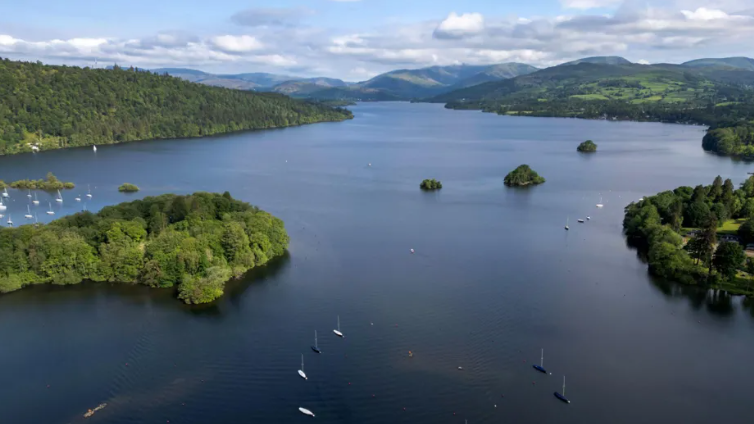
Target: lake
x,y
494,279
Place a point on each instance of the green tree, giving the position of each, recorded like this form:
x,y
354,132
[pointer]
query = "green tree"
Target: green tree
x,y
716,191
728,257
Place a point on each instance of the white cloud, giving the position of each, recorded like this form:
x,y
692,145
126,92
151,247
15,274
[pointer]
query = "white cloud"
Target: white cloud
x,y
236,44
642,62
704,14
459,26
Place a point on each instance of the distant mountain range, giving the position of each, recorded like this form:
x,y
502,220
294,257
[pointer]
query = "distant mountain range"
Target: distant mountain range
x,y
440,83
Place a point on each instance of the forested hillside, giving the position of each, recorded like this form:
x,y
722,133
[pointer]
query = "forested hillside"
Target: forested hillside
x,y
194,243
54,107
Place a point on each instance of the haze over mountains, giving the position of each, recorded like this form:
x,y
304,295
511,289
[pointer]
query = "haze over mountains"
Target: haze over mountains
x,y
439,83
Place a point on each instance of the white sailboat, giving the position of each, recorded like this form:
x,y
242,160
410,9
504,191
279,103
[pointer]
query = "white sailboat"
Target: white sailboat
x,y
29,195
599,205
77,198
306,412
89,194
2,206
50,212
28,213
94,148
35,201
5,193
337,332
566,227
10,221
36,220
59,199
301,371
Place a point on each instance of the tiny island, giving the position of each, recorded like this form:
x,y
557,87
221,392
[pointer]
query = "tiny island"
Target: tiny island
x,y
128,188
701,236
193,243
523,176
587,147
430,185
50,183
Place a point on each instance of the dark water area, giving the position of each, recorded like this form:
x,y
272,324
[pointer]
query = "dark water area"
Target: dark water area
x,y
494,279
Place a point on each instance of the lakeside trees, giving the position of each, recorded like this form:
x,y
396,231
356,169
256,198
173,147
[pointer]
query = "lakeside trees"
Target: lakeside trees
x,y
656,223
53,107
587,147
523,176
50,183
195,243
128,188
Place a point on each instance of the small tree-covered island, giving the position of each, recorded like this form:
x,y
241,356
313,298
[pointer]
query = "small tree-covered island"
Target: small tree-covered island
x,y
128,188
523,176
587,147
195,243
430,184
697,235
50,183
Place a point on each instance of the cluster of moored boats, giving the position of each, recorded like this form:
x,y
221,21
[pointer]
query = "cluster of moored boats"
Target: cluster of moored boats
x,y
33,201
316,349
541,368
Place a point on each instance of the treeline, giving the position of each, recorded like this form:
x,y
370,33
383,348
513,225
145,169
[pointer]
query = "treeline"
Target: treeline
x,y
735,140
50,183
195,243
656,224
52,107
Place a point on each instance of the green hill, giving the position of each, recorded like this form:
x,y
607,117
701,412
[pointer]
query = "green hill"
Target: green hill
x,y
744,63
670,93
600,60
52,107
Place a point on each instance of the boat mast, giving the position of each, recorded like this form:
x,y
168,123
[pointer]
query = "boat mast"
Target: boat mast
x,y
563,385
302,362
315,339
338,322
542,359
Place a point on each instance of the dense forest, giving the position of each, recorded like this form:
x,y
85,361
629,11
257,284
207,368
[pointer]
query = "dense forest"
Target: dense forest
x,y
689,233
195,243
52,107
735,140
523,176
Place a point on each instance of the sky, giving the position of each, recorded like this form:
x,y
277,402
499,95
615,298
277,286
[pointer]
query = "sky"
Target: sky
x,y
357,39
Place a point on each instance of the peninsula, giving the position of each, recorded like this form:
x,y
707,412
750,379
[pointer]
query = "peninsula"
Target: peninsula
x,y
696,235
194,243
52,107
523,176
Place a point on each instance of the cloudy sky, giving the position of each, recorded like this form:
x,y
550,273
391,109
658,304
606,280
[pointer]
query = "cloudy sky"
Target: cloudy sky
x,y
357,39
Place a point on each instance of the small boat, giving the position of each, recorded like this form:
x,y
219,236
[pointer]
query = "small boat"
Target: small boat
x,y
10,221
460,368
561,396
580,220
5,193
412,250
541,366
94,148
337,332
89,194
599,205
91,412
306,412
301,371
315,348
28,213
35,201
77,198
566,227
588,218
2,206
59,199
29,195
50,212
370,164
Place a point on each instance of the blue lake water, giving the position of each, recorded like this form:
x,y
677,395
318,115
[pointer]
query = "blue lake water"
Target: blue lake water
x,y
495,278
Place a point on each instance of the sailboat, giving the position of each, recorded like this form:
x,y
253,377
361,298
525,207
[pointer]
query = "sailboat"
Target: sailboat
x,y
562,396
35,201
315,348
89,194
541,366
337,332
77,198
29,195
5,193
588,218
599,205
306,412
581,221
2,206
10,221
566,227
36,220
301,371
28,213
59,198
94,148
50,212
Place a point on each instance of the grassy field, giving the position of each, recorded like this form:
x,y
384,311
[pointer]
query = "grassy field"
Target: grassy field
x,y
730,226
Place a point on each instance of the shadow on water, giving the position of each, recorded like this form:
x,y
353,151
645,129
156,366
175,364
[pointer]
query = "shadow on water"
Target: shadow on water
x,y
716,302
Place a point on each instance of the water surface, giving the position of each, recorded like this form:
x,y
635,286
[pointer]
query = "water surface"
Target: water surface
x,y
494,279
